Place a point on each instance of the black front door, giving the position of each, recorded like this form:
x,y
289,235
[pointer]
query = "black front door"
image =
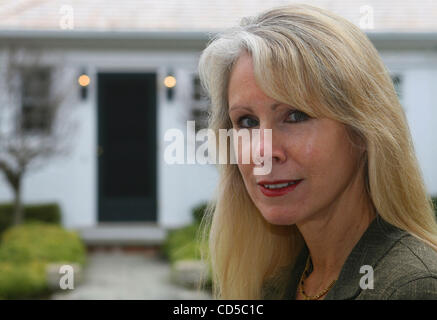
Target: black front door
x,y
127,147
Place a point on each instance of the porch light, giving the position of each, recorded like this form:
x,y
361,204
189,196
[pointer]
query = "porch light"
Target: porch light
x,y
170,84
170,81
84,81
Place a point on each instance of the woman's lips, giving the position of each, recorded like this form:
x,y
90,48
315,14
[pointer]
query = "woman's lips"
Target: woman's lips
x,y
278,188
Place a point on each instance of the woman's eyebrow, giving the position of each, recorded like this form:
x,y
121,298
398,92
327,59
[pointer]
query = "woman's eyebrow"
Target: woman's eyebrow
x,y
273,107
240,107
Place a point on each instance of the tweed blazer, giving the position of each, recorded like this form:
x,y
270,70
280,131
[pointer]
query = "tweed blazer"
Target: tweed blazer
x,y
403,267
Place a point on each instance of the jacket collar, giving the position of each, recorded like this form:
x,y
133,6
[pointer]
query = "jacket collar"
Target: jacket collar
x,y
379,237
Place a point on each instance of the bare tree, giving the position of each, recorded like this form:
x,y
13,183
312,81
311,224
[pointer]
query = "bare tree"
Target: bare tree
x,y
35,122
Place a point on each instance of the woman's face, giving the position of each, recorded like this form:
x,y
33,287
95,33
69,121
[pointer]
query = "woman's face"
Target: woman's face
x,y
315,152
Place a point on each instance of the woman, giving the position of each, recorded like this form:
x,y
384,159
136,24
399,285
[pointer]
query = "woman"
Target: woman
x,y
344,213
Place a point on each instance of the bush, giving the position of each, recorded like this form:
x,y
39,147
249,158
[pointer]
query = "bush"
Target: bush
x,y
41,242
26,250
183,244
48,212
180,244
22,281
199,212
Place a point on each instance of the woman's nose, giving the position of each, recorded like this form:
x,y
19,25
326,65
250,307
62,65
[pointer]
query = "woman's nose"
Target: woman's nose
x,y
270,144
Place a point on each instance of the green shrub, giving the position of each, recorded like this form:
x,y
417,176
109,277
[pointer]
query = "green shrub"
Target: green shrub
x,y
47,212
199,212
25,251
188,251
42,242
22,281
183,243
180,244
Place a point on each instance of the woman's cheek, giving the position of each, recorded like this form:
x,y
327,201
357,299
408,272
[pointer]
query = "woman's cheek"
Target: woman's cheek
x,y
246,173
308,148
309,152
243,149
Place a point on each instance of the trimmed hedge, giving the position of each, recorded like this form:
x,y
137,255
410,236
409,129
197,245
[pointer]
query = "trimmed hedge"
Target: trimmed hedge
x,y
181,243
23,281
46,212
25,251
43,242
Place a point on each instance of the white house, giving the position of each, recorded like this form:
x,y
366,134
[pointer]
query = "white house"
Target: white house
x,y
115,185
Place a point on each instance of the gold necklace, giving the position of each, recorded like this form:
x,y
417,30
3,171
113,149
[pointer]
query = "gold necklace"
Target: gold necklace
x,y
301,282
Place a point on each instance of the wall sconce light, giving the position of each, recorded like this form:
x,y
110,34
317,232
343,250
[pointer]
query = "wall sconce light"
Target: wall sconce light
x,y
84,81
170,84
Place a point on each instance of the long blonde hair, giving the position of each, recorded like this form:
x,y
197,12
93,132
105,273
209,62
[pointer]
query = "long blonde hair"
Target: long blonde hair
x,y
308,57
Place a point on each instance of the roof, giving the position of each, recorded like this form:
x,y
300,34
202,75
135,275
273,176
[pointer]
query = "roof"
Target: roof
x,y
390,16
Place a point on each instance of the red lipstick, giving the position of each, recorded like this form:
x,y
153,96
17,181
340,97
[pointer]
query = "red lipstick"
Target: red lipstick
x,y
278,188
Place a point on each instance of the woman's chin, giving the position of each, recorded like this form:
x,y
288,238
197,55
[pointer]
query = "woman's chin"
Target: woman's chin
x,y
280,217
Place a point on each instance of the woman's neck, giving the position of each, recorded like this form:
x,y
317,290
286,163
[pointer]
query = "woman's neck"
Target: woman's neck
x,y
331,235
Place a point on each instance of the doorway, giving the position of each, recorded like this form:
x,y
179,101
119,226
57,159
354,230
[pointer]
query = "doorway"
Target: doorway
x,y
127,173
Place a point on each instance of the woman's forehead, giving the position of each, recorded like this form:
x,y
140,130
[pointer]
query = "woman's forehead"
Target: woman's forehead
x,y
243,76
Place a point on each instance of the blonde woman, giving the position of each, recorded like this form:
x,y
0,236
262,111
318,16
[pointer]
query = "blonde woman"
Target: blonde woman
x,y
344,213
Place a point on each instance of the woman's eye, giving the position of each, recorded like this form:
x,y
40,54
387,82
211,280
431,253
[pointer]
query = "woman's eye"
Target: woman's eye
x,y
247,122
297,116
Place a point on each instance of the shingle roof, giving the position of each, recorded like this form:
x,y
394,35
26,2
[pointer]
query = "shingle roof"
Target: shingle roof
x,y
199,15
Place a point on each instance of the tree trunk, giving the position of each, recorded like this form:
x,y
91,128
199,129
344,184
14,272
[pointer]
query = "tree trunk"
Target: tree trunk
x,y
18,208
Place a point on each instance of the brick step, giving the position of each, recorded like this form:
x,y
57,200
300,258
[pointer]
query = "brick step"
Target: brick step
x,y
147,250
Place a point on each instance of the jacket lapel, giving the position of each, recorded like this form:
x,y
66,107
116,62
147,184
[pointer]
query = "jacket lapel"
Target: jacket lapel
x,y
376,241
296,273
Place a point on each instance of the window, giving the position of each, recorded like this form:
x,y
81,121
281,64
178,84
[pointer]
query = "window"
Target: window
x,y
35,100
200,104
198,93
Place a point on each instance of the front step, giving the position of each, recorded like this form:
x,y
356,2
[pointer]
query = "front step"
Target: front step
x,y
123,234
146,250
